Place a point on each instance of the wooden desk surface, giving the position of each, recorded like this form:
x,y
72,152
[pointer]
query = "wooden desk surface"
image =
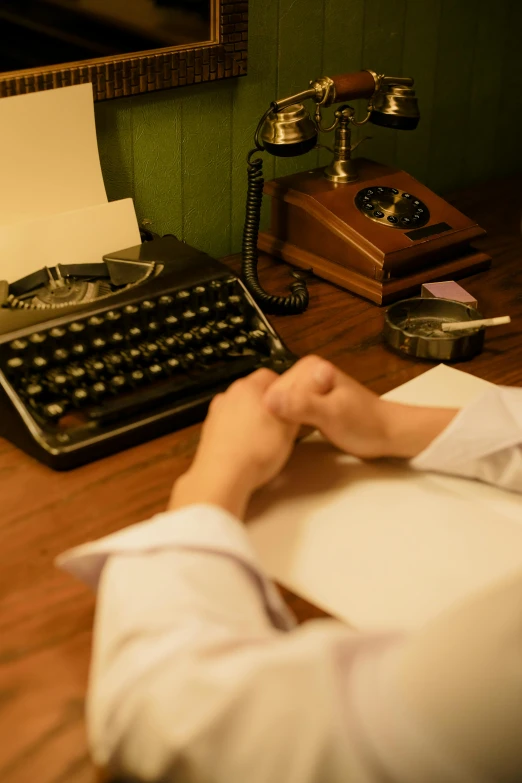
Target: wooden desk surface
x,y
46,617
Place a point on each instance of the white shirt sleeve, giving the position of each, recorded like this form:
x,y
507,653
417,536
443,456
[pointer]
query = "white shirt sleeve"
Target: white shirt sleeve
x,y
198,673
484,441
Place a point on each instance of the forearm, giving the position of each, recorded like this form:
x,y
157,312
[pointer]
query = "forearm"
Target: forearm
x,y
226,489
409,429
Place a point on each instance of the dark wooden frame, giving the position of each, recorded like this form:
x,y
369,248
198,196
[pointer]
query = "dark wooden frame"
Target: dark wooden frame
x,y
223,56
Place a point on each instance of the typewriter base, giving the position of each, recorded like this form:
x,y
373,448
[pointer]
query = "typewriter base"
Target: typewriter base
x,y
60,457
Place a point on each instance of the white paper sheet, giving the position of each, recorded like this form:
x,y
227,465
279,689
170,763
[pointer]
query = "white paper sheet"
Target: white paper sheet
x,y
48,154
380,545
82,236
53,204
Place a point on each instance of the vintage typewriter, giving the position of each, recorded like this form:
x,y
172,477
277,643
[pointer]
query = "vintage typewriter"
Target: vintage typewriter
x,y
97,357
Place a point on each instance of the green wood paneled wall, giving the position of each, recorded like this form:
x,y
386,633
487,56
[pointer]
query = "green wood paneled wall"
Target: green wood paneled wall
x,y
181,154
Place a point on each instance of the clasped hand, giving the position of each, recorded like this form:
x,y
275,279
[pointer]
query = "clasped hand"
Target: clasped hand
x,y
251,428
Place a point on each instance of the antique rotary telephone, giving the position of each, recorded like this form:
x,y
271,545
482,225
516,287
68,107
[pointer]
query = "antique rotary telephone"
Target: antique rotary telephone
x,y
337,220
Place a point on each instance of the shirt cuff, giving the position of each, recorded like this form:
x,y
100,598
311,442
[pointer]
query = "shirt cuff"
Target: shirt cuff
x,y
201,527
489,424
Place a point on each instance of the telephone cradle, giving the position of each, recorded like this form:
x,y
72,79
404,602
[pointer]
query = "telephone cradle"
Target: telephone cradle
x,y
380,236
151,335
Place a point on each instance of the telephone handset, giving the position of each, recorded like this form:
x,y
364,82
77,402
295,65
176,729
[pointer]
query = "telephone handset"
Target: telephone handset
x,y
369,228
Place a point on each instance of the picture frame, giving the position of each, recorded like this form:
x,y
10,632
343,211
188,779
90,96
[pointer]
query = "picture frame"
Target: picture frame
x,y
124,75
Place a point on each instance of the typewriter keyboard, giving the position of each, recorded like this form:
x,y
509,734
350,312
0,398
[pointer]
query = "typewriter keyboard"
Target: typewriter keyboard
x,y
105,368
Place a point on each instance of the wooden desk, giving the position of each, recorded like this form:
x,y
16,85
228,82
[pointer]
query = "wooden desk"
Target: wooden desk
x,y
46,617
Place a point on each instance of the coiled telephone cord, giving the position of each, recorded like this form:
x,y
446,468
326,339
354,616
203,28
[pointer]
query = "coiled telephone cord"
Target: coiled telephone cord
x,y
293,304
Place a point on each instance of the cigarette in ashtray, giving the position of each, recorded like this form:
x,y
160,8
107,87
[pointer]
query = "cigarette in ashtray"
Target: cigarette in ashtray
x,y
456,326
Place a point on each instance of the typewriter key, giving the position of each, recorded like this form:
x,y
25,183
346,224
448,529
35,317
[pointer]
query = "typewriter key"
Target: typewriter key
x,y
117,383
18,345
172,364
207,353
171,321
76,374
234,303
98,390
80,396
99,343
60,355
95,368
54,410
34,390
113,362
57,381
189,316
167,344
16,364
138,376
188,359
117,338
155,371
79,349
39,362
134,333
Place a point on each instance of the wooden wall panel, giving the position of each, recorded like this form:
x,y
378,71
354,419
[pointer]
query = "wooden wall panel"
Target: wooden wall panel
x,y
251,98
419,59
158,151
453,81
485,95
206,170
382,52
115,144
342,52
181,154
301,39
508,145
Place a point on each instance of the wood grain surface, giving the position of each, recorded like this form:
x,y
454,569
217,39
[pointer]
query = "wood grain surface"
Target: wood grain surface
x,y
46,617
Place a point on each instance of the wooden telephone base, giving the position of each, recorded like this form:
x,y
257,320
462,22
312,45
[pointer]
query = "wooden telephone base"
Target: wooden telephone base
x,y
317,225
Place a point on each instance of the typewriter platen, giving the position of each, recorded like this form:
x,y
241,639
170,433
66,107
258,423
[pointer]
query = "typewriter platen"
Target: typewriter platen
x,y
96,358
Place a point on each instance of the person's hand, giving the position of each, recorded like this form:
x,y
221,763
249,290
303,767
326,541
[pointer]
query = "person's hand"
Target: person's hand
x,y
242,447
353,418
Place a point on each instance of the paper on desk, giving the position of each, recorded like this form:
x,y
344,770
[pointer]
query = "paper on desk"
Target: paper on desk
x,y
50,170
380,545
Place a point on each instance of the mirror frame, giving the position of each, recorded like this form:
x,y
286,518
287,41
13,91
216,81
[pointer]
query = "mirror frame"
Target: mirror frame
x,y
225,55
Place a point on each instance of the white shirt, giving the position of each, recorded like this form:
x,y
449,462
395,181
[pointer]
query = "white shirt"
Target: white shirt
x,y
199,673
